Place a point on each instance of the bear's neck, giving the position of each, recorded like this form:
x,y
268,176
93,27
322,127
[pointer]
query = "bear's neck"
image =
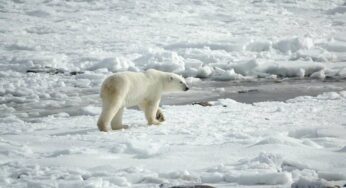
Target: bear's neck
x,y
156,83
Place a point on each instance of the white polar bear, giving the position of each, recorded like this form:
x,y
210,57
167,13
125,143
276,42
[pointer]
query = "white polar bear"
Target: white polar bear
x,y
144,90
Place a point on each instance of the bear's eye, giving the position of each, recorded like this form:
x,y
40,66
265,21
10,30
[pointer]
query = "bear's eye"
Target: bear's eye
x,y
181,82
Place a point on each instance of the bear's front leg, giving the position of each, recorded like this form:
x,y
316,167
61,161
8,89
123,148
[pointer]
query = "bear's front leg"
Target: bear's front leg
x,y
159,115
150,109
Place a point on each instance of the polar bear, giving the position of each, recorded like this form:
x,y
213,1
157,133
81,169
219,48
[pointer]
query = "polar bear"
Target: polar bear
x,y
143,89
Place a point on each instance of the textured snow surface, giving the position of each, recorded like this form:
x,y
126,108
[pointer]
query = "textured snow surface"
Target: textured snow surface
x,y
223,40
55,54
273,144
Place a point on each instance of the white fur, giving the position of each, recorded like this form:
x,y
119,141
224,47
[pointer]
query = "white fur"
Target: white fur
x,y
144,90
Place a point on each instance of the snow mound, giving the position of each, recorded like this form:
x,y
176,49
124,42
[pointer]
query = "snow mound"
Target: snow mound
x,y
261,179
311,183
229,46
91,110
206,71
247,67
315,55
343,149
73,151
259,46
261,170
319,75
214,177
334,46
141,150
304,133
224,75
293,69
151,150
337,10
294,44
116,64
181,175
331,176
329,96
162,60
317,132
192,68
265,161
279,140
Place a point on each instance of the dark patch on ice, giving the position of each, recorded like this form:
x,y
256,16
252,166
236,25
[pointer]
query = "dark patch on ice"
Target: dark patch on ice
x,y
342,149
20,47
202,103
50,70
201,93
85,177
22,174
38,13
76,72
188,186
18,1
249,91
254,91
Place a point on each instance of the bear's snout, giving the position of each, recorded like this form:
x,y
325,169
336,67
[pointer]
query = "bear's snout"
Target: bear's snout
x,y
186,88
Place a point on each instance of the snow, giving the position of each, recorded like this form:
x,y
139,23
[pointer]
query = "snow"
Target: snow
x,y
319,75
54,56
306,183
271,147
261,179
294,44
193,38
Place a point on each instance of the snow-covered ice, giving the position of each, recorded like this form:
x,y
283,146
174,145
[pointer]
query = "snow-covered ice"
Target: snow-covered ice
x,y
194,38
55,54
300,142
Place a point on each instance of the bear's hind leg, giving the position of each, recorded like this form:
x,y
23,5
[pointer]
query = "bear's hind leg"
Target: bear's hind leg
x,y
117,120
109,109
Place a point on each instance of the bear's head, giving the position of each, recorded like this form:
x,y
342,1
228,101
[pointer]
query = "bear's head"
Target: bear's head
x,y
175,82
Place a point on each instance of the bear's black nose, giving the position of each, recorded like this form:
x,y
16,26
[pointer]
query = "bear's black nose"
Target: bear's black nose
x,y
186,88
